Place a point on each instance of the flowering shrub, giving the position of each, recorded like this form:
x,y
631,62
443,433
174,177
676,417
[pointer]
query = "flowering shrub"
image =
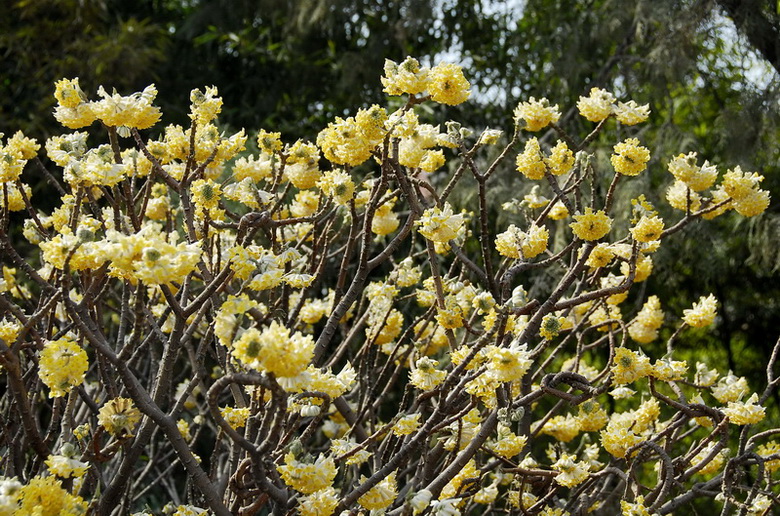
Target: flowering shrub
x,y
317,328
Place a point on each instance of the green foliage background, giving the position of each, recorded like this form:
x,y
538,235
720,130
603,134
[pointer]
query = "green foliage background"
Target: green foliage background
x,y
708,69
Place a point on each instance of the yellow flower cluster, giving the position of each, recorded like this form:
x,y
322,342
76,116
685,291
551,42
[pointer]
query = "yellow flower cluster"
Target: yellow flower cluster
x,y
14,155
425,376
114,110
648,229
570,471
235,417
440,225
600,104
516,243
308,477
62,366
591,225
45,496
749,199
702,313
350,141
644,328
630,158
274,350
444,82
119,416
629,366
381,495
537,114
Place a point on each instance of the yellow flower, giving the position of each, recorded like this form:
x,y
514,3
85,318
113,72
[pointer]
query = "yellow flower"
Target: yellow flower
x,y
269,142
630,158
644,328
432,161
551,326
68,93
530,162
440,225
634,509
754,203
561,159
507,364
319,503
62,366
683,198
591,225
765,450
601,255
730,388
537,114
119,416
381,495
406,77
702,313
591,416
337,184
205,105
342,142
275,350
648,229
308,478
447,85
515,243
507,443
562,428
668,370
453,488
407,424
135,110
425,376
628,366
739,184
66,465
385,220
570,473
745,413
714,464
618,437
597,106
235,417
44,496
558,211
630,113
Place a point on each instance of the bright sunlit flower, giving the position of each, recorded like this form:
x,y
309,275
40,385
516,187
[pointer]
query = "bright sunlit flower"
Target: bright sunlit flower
x,y
597,106
531,161
440,225
516,243
447,85
628,366
537,114
62,366
308,477
648,229
630,158
702,313
425,376
570,472
630,113
45,496
745,413
591,225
